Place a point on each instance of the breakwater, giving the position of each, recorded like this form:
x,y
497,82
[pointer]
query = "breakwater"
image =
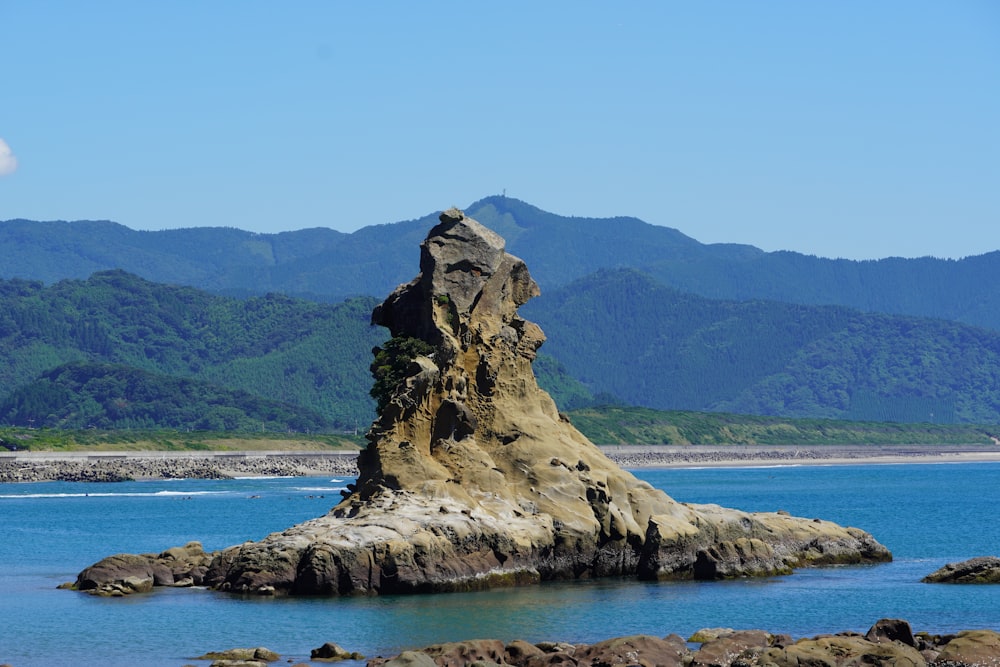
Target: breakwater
x,y
122,466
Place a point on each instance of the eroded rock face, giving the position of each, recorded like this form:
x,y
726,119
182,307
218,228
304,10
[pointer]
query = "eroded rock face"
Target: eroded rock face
x,y
472,479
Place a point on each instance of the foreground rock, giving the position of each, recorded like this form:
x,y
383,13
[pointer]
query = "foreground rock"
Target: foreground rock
x,y
472,479
983,570
888,642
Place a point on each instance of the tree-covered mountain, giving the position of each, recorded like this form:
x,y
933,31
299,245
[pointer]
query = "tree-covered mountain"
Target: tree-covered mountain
x,y
118,351
81,395
622,333
325,265
296,352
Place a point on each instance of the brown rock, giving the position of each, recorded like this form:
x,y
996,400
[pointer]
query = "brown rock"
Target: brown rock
x,y
458,654
635,650
842,651
407,659
729,647
123,574
971,647
519,652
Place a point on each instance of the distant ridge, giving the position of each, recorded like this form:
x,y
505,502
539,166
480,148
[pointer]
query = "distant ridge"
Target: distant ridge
x,y
325,265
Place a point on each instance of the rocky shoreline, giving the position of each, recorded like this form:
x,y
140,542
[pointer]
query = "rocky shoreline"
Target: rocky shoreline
x,y
887,642
124,466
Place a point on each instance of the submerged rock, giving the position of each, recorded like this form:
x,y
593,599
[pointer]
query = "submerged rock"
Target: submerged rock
x,y
472,479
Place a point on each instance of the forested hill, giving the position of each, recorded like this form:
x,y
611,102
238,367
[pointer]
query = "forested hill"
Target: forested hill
x,y
622,333
322,264
117,350
81,395
287,351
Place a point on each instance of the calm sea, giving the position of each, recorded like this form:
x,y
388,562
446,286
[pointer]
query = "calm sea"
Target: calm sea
x,y
927,514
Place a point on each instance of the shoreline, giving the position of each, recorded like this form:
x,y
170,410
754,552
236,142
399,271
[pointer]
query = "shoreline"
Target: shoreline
x,y
109,466
759,456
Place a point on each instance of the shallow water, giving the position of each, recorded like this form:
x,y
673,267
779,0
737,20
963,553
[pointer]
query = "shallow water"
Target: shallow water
x,y
927,514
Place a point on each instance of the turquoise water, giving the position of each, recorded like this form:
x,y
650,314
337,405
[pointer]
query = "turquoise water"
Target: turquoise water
x,y
927,514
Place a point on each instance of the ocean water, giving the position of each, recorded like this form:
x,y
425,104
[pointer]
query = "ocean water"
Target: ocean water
x,y
926,514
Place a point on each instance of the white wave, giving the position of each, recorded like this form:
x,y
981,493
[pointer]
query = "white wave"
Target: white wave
x,y
314,489
127,494
253,477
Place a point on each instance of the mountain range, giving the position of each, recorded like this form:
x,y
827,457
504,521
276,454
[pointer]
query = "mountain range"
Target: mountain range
x,y
323,264
635,313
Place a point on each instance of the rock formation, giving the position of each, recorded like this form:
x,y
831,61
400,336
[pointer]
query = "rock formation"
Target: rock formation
x,y
888,642
123,574
981,570
472,479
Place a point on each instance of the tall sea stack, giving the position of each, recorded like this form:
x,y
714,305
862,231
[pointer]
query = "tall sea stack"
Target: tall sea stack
x,y
472,479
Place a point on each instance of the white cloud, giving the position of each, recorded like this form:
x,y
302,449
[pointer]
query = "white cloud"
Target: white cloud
x,y
8,163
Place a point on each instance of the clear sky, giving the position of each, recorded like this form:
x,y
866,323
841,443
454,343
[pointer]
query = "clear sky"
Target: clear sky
x,y
853,128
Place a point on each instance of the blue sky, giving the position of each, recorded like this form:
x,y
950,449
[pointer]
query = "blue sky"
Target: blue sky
x,y
843,129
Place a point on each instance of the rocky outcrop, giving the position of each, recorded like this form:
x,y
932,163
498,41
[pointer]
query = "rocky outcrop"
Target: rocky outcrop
x,y
123,574
982,570
748,648
472,479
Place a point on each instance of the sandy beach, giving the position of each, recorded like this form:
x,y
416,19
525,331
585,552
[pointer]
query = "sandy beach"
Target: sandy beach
x,y
118,466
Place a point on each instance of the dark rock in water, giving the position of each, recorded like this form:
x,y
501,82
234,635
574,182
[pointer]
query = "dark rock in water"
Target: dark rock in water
x,y
123,574
119,574
331,652
982,570
241,656
471,479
